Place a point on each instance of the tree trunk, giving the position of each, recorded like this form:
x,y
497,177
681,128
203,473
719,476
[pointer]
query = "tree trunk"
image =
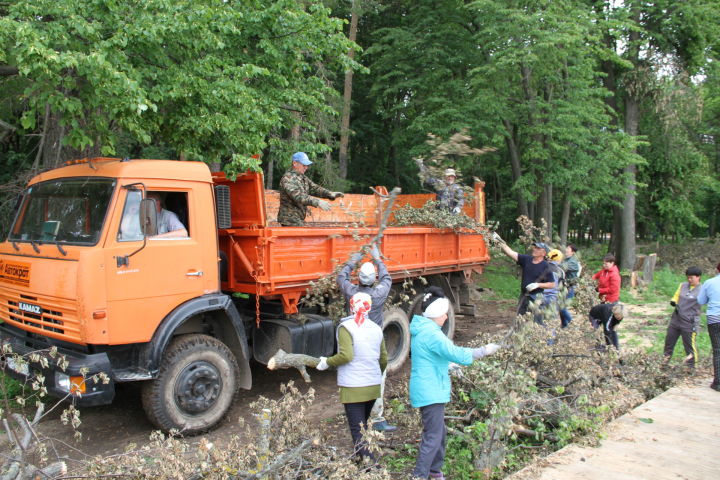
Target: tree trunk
x,y
269,173
515,166
51,150
614,245
565,219
347,95
632,123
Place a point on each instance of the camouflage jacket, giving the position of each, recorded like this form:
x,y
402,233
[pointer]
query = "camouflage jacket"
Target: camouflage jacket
x,y
448,196
297,192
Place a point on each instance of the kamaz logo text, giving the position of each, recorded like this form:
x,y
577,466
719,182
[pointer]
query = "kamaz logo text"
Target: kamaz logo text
x,y
30,308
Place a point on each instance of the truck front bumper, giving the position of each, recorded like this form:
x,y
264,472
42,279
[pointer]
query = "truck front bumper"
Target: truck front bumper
x,y
77,364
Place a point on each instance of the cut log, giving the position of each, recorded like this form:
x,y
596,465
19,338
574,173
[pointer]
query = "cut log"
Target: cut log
x,y
639,261
649,267
282,359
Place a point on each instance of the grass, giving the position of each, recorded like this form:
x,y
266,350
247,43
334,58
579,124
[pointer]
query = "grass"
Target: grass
x,y
665,283
10,387
500,277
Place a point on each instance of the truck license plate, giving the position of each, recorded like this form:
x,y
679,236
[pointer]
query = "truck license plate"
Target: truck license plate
x,y
21,368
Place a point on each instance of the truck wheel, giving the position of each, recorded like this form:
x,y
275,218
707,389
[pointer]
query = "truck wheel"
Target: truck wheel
x,y
449,327
396,331
195,386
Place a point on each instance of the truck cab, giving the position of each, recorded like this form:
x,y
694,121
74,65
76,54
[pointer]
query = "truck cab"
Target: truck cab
x,y
77,273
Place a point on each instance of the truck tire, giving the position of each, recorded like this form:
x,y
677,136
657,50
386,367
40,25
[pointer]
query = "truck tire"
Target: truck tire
x,y
396,331
449,327
195,386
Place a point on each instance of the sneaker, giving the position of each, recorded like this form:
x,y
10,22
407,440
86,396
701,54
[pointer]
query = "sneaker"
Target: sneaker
x,y
384,426
437,476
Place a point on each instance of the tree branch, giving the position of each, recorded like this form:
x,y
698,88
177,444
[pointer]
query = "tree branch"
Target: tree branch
x,y
8,71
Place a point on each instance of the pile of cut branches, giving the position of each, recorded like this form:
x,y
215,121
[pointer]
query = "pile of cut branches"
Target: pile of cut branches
x,y
549,387
430,214
281,444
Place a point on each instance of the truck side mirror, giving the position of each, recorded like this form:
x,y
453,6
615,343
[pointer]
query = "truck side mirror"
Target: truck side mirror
x,y
148,217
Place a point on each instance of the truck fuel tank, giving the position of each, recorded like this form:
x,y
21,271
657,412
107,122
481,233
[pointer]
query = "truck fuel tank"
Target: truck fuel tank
x,y
306,333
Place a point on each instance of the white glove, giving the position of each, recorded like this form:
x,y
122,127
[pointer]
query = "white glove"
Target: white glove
x,y
455,370
420,163
335,195
456,210
532,286
322,364
375,252
488,349
323,205
496,238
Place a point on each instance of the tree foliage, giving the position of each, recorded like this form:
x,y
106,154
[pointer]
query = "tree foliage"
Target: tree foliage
x,y
586,104
212,79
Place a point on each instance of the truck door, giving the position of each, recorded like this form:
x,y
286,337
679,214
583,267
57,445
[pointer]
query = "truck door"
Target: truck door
x,y
157,277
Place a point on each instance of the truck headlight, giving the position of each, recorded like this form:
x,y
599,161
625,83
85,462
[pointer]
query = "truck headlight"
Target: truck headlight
x,y
73,385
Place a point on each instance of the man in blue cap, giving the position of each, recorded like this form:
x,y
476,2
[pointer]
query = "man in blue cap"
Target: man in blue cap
x,y
536,274
297,192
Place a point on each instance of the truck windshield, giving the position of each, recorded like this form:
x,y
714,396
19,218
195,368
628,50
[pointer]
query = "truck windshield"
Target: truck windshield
x,y
68,210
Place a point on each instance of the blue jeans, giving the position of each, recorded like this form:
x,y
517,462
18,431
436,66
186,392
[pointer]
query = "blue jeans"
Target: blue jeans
x,y
565,316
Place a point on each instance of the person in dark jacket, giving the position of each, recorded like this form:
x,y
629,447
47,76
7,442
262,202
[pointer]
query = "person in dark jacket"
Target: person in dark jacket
x,y
536,275
368,275
430,386
360,361
609,315
685,320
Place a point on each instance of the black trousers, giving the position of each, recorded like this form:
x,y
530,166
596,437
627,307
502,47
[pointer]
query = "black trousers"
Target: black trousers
x,y
714,332
688,338
358,414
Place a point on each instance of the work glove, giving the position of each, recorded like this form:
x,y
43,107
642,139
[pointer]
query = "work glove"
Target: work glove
x,y
532,286
456,210
323,205
356,257
322,364
696,326
496,238
488,349
455,370
672,303
335,195
375,252
420,163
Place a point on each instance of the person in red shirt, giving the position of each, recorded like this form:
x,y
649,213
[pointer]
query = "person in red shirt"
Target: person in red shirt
x,y
608,280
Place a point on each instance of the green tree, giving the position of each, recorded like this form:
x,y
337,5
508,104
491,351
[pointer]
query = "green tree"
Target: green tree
x,y
214,80
641,40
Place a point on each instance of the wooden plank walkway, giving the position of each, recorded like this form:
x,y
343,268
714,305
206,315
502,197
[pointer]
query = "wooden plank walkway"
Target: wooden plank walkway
x,y
682,443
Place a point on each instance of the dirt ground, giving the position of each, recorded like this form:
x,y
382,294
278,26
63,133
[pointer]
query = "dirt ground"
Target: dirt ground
x,y
108,430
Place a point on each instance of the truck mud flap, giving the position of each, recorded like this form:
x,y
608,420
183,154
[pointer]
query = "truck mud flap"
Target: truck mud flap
x,y
314,335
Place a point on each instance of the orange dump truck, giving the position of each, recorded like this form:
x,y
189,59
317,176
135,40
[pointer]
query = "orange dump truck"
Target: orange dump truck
x,y
94,267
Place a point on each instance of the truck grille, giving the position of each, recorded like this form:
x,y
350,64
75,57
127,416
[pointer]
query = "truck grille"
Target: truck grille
x,y
52,317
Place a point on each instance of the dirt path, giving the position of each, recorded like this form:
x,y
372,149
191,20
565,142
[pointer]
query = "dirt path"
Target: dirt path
x,y
109,429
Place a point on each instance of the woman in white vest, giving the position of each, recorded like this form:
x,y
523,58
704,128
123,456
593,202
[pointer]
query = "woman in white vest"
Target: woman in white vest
x,y
360,361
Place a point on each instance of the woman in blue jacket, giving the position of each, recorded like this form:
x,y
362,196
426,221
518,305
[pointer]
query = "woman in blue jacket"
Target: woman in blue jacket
x,y
432,353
